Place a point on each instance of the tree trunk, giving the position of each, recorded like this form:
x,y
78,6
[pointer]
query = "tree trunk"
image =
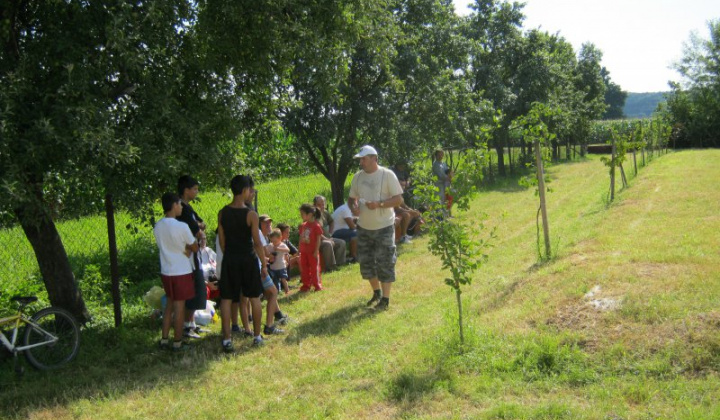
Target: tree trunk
x,y
113,253
460,314
612,172
541,190
54,265
501,159
337,186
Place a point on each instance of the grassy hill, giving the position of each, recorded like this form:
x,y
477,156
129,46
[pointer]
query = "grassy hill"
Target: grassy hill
x,y
623,323
642,105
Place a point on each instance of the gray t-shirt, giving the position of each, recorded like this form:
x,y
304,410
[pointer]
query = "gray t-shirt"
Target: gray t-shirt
x,y
377,186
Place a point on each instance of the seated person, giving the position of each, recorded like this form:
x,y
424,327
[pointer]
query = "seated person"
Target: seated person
x,y
344,228
408,218
332,250
280,253
208,264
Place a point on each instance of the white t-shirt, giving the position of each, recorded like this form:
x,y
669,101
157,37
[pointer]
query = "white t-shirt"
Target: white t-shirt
x,y
171,236
377,186
281,251
339,216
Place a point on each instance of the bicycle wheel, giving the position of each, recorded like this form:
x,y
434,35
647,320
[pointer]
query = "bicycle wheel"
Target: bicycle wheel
x,y
61,324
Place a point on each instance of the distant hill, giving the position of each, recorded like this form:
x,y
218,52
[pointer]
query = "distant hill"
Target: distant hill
x,y
641,105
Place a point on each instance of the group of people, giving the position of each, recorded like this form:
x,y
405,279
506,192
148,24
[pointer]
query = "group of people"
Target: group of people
x,y
252,260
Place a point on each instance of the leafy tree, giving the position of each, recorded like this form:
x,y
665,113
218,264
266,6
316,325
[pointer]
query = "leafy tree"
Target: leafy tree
x,y
93,96
614,98
695,104
455,242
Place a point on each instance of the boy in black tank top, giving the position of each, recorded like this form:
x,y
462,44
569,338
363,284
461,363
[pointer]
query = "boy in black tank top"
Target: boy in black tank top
x,y
241,273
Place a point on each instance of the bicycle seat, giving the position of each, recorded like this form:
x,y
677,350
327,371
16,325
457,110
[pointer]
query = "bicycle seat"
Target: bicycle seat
x,y
24,300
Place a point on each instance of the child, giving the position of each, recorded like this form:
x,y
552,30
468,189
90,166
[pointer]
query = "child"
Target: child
x,y
176,244
239,236
310,239
278,268
294,256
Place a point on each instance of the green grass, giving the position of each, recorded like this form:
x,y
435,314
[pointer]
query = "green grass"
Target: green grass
x,y
535,348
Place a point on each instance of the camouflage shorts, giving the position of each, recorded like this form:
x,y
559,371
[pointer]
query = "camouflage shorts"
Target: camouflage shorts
x,y
376,253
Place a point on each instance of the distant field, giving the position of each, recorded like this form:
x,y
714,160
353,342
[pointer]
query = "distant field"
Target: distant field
x,y
622,324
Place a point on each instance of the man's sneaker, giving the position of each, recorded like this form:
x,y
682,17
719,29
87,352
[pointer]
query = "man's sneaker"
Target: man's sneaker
x,y
258,342
228,347
236,329
382,305
200,330
164,345
281,319
375,299
405,240
190,332
272,330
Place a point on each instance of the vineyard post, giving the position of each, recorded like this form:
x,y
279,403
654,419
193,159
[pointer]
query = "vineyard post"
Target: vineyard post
x,y
541,189
113,251
634,160
612,170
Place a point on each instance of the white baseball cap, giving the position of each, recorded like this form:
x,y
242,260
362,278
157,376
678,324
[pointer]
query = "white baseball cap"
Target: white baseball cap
x,y
365,151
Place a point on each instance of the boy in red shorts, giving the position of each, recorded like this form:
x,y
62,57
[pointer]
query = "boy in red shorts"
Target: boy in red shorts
x,y
176,244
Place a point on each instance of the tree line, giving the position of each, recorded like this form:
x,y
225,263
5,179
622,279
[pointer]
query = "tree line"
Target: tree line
x,y
116,98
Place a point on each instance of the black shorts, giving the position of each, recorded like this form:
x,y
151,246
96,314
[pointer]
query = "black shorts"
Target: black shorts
x,y
240,276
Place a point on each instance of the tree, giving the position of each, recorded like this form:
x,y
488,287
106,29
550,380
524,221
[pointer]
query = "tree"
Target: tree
x,y
93,95
694,105
614,98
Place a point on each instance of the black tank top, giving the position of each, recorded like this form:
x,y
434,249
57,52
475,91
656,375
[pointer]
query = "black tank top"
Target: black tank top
x,y
238,237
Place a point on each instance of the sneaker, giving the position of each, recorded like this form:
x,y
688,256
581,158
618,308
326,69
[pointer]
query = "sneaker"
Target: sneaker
x,y
228,347
352,260
165,345
282,319
405,240
258,342
236,329
189,332
272,330
200,330
375,299
382,305
182,347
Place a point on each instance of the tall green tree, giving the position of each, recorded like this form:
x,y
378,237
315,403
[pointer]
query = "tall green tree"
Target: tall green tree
x,y
614,98
100,97
694,104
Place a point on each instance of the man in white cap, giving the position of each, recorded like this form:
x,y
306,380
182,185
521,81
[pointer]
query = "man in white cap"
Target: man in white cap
x,y
374,192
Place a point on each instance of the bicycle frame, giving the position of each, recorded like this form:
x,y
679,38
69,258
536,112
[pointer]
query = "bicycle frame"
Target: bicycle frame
x,y
17,319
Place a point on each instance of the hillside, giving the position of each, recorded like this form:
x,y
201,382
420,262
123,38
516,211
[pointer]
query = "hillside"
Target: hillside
x,y
622,324
641,105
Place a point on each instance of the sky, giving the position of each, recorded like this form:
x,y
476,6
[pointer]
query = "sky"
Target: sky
x,y
640,39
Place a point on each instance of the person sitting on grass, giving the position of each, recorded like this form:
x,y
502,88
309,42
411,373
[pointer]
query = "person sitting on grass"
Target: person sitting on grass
x,y
278,268
344,228
310,238
176,244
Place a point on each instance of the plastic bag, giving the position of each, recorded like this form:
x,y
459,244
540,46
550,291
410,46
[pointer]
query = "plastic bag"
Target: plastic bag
x,y
205,316
153,298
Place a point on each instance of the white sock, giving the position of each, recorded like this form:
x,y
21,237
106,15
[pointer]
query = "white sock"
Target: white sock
x,y
226,341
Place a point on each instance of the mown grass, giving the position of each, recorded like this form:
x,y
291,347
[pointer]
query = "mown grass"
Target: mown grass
x,y
536,348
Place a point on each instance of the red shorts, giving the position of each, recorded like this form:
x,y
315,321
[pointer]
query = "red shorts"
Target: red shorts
x,y
179,287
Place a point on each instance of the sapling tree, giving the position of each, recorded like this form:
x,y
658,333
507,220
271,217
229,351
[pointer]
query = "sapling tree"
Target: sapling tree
x,y
535,131
455,241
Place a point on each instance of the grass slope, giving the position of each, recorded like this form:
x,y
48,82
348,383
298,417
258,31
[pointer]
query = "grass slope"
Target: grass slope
x,y
537,347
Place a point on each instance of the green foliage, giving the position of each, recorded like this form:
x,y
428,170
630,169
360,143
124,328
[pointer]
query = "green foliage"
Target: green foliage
x,y
455,242
693,106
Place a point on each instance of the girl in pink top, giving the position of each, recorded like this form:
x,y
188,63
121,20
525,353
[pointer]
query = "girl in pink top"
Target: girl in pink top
x,y
310,239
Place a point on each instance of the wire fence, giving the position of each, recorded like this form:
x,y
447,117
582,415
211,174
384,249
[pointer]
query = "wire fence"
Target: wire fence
x,y
86,239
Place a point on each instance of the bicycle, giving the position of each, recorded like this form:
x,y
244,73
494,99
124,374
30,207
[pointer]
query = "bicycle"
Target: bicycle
x,y
51,337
